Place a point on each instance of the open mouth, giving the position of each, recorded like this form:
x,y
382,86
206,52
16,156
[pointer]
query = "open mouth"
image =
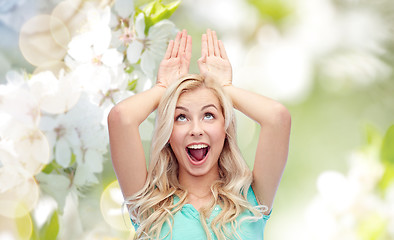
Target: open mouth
x,y
197,152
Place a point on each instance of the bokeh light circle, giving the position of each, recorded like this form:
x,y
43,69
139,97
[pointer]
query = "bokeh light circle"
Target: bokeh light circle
x,y
111,208
20,228
72,13
43,39
19,200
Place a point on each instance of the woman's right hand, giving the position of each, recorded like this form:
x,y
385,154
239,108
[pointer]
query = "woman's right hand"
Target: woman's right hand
x,y
176,61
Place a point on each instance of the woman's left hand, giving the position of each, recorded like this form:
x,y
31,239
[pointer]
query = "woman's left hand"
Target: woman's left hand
x,y
214,63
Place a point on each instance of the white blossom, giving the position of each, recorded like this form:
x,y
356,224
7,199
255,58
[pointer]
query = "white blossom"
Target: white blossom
x,y
55,95
351,68
17,100
124,8
264,64
151,48
347,201
78,133
45,207
93,62
57,186
53,128
97,67
18,190
71,218
24,149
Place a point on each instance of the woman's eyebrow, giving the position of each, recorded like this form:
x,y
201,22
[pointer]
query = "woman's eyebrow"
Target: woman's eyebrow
x,y
209,105
182,108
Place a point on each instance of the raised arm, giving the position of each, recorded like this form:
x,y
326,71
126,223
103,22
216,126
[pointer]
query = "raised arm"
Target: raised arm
x,y
127,153
273,117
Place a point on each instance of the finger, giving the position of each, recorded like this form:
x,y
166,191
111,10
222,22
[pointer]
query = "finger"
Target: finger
x,y
215,44
186,56
188,50
182,45
202,60
175,49
185,66
169,49
210,43
204,45
223,52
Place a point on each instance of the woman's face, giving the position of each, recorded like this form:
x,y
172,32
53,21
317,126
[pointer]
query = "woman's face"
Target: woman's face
x,y
198,134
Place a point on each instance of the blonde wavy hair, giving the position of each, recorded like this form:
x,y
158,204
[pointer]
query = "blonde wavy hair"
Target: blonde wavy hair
x,y
154,204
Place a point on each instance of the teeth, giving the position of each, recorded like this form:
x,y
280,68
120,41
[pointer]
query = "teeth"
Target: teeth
x,y
197,146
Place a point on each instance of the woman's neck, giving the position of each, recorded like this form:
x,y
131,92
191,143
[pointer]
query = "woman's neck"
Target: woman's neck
x,y
198,187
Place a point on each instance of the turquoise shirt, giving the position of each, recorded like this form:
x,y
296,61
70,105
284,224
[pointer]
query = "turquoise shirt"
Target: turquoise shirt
x,y
187,223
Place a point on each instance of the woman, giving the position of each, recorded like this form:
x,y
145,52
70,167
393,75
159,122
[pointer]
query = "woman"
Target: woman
x,y
197,185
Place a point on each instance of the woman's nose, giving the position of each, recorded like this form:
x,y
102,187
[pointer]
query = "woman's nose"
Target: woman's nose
x,y
196,129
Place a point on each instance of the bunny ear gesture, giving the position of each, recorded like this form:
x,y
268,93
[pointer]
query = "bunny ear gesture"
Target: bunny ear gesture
x,y
214,62
176,61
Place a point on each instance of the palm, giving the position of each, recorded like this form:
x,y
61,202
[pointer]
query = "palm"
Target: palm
x,y
171,69
218,68
214,62
176,61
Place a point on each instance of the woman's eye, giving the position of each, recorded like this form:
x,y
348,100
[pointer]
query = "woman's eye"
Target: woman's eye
x,y
208,116
181,118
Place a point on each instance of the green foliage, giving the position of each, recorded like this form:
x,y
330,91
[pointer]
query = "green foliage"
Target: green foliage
x,y
273,10
382,147
131,86
129,69
156,11
55,166
372,228
35,232
387,158
140,3
373,136
52,166
387,151
51,229
34,235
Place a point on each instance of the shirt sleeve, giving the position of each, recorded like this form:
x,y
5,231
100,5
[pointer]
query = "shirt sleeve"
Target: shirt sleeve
x,y
253,200
266,217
